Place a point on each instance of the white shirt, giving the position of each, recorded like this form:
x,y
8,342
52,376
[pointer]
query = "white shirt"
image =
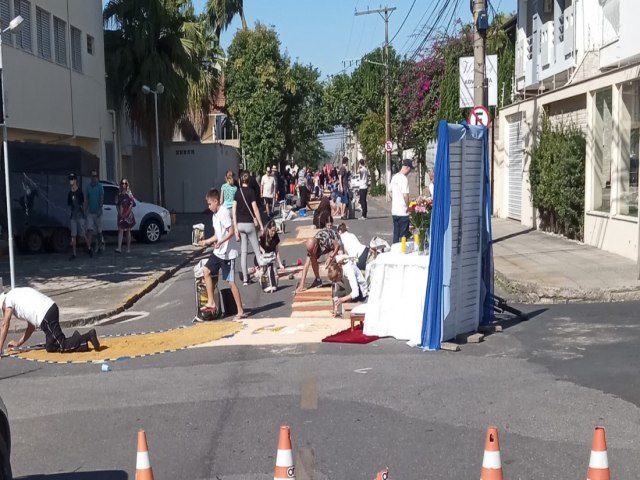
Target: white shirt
x,y
28,304
399,188
364,178
268,184
351,244
356,280
221,221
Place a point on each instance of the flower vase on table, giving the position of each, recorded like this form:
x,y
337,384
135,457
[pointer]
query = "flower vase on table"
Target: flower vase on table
x,y
423,244
420,217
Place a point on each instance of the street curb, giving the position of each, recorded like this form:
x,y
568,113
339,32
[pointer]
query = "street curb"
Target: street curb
x,y
133,298
528,293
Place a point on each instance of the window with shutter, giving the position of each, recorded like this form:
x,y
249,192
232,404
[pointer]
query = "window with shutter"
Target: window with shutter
x,y
23,37
60,40
43,29
76,49
5,18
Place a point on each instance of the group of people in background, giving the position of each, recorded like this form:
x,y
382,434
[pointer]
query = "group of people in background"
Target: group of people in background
x,y
85,214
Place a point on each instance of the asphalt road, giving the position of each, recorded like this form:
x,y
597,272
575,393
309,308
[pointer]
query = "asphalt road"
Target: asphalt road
x,y
214,413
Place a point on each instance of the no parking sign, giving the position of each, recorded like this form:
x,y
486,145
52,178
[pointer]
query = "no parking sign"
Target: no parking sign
x,y
479,115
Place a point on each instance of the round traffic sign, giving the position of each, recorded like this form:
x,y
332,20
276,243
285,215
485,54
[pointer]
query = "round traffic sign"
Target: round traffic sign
x,y
388,146
479,115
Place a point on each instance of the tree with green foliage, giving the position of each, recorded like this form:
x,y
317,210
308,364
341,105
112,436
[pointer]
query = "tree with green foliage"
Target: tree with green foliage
x,y
145,43
221,13
556,177
371,136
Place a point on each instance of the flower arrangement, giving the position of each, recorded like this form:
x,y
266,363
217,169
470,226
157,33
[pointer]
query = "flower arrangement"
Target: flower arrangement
x,y
420,213
420,217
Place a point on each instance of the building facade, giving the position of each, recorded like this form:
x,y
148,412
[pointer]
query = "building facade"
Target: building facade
x,y
578,61
54,77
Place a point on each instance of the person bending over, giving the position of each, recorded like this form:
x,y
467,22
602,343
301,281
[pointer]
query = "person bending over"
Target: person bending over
x,y
348,286
39,311
325,241
353,247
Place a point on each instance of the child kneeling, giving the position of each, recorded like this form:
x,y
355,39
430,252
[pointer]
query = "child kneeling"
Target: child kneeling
x,y
348,286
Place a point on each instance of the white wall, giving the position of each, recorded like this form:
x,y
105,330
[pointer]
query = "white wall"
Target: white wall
x,y
191,169
627,47
43,96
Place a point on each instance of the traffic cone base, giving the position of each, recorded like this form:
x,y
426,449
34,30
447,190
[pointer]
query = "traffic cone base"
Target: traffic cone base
x,y
383,474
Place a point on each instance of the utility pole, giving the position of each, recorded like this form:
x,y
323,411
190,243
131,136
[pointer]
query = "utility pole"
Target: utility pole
x,y
385,13
480,25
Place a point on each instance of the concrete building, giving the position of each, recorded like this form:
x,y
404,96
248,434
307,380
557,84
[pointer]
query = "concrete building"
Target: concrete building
x,y
578,61
55,77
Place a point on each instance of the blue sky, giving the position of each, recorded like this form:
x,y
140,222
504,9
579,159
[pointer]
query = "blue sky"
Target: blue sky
x,y
326,32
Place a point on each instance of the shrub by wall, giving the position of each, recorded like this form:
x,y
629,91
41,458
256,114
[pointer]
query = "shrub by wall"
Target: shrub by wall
x,y
556,176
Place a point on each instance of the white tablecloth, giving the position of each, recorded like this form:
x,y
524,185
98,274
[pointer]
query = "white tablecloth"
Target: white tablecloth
x,y
396,296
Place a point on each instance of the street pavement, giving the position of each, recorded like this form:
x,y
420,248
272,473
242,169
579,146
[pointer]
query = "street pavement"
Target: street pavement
x,y
213,412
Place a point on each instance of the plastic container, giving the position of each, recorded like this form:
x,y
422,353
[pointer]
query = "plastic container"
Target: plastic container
x,y
302,212
106,367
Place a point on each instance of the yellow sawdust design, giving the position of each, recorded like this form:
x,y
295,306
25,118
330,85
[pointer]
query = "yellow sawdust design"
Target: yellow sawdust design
x,y
303,233
143,344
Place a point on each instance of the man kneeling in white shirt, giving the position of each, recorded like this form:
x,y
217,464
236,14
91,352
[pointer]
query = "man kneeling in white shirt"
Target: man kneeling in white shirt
x,y
39,311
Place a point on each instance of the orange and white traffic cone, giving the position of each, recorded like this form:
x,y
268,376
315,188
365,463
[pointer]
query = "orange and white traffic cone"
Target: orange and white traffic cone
x,y
383,474
598,462
143,466
491,464
284,459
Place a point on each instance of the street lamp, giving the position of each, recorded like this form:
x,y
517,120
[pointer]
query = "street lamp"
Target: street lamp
x,y
158,91
14,26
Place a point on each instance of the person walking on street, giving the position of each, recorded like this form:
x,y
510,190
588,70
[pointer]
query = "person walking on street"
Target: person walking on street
x,y
363,189
247,223
225,251
268,190
343,187
228,190
39,311
399,191
126,220
75,200
94,199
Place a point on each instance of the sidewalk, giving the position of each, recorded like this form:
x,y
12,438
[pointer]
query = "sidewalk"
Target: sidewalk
x,y
536,267
89,289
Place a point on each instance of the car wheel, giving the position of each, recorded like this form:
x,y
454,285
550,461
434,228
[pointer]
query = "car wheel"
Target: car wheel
x,y
33,241
151,231
5,461
60,240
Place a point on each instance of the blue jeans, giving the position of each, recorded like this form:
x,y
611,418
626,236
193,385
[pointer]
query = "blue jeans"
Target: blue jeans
x,y
400,227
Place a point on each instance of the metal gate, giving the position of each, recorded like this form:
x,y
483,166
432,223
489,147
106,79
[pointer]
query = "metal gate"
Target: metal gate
x,y
515,154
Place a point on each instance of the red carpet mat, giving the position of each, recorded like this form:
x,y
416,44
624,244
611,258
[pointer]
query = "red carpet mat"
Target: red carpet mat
x,y
348,336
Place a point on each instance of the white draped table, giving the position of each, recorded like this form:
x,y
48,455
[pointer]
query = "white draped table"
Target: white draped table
x,y
397,292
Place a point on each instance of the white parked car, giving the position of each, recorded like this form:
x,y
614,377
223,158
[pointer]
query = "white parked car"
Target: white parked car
x,y
152,221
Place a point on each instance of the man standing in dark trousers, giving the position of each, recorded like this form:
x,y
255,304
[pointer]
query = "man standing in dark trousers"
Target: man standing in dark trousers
x,y
39,311
363,188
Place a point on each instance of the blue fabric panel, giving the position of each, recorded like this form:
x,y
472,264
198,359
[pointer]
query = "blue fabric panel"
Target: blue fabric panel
x,y
487,314
440,222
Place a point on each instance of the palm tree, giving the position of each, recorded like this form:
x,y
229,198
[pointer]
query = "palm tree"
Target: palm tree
x,y
221,13
145,43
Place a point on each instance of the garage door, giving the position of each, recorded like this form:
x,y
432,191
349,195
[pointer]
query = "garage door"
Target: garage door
x,y
514,206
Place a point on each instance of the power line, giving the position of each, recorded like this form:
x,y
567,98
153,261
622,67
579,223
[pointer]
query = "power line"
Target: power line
x,y
403,22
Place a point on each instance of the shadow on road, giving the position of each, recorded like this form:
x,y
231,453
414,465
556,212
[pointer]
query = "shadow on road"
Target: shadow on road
x,y
99,475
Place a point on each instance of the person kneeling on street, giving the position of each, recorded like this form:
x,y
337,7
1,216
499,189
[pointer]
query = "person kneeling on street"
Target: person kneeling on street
x,y
348,286
39,311
225,250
